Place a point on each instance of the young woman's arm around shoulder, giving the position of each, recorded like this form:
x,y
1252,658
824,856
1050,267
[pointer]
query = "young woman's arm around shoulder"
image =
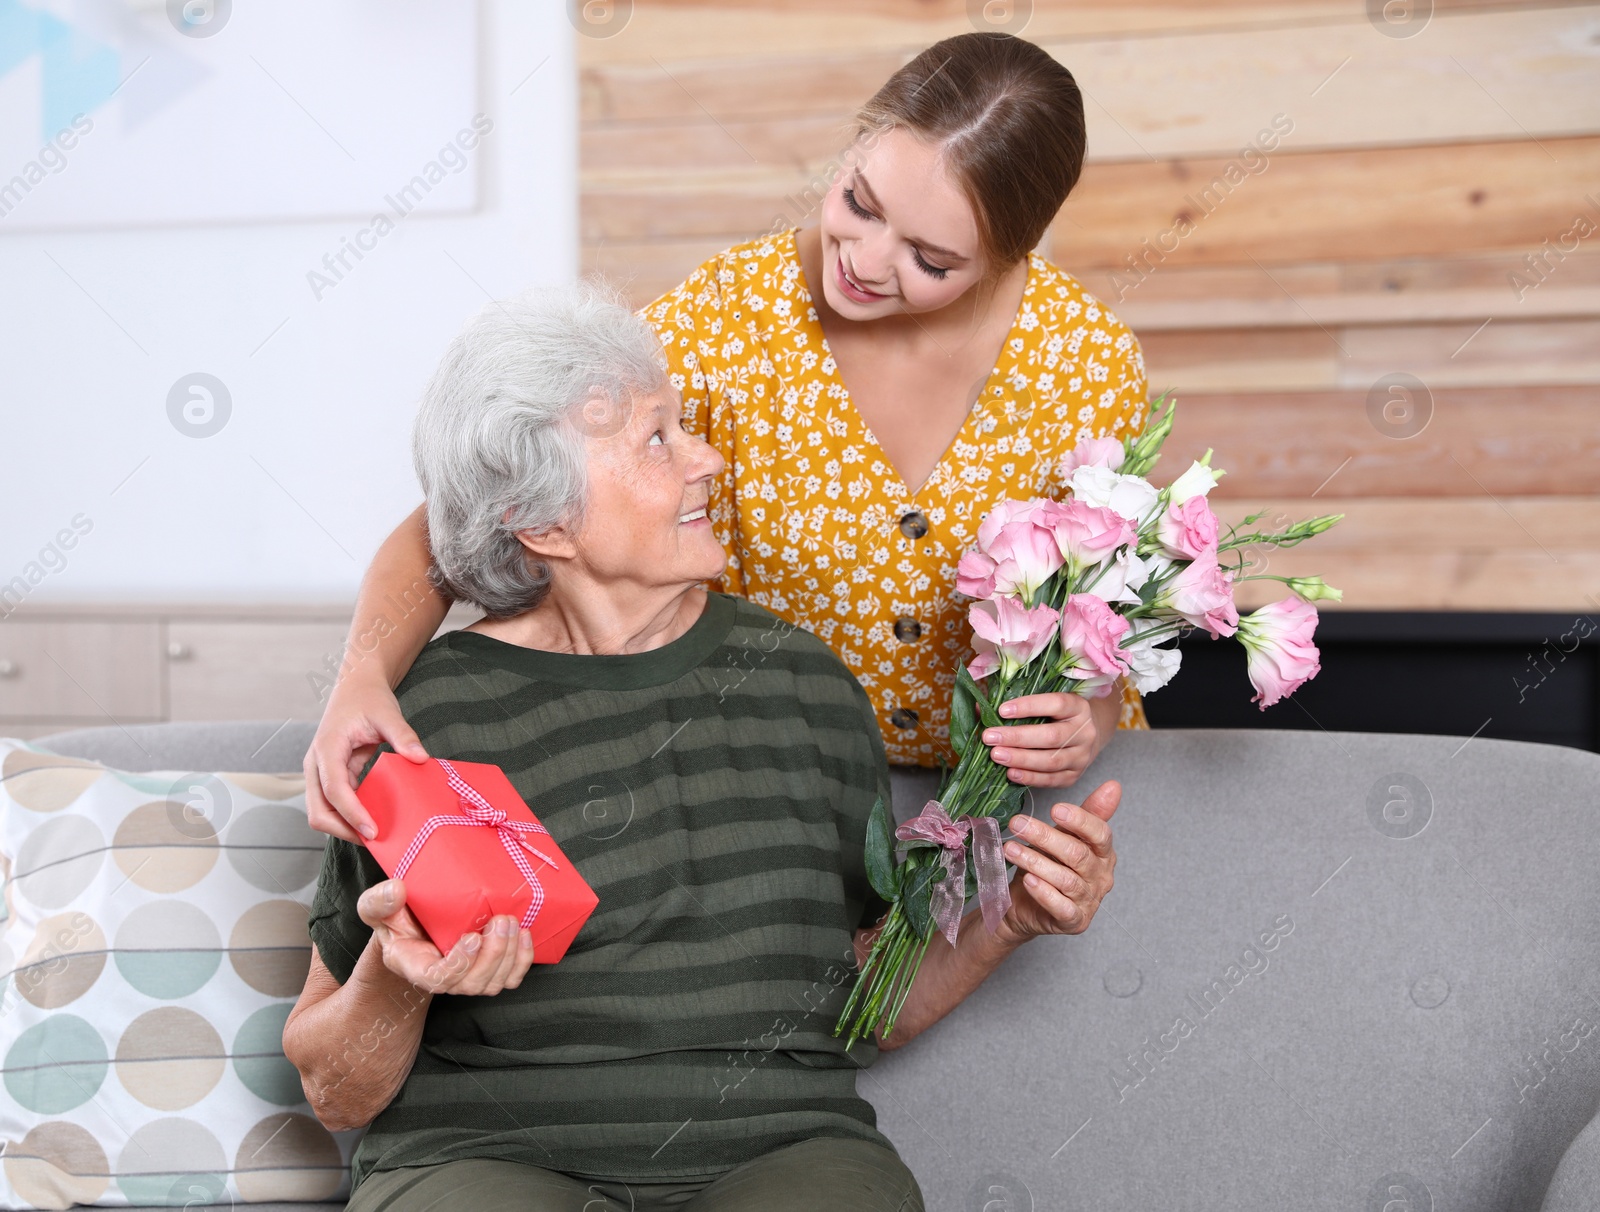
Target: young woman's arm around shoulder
x,y
397,612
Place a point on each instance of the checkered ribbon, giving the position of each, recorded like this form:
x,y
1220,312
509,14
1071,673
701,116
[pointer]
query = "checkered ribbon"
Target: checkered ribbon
x,y
479,811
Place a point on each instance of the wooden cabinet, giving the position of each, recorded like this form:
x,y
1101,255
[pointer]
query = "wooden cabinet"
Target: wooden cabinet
x,y
83,666
256,670
80,669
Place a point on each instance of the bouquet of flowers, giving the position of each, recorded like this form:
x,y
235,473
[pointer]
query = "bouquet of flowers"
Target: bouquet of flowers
x,y
1070,596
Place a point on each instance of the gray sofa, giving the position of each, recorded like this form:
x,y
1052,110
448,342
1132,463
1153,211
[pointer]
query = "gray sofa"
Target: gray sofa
x,y
1338,971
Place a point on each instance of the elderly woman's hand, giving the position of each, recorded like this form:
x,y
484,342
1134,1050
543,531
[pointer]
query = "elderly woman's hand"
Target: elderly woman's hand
x,y
481,964
1063,870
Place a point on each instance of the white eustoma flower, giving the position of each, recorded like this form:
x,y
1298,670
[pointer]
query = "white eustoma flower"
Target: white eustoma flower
x,y
1122,578
1158,564
1149,667
1196,482
1131,497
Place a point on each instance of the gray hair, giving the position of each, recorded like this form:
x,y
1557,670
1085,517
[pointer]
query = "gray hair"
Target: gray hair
x,y
499,443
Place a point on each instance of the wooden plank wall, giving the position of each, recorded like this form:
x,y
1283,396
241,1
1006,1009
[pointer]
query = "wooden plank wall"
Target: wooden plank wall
x,y
1431,210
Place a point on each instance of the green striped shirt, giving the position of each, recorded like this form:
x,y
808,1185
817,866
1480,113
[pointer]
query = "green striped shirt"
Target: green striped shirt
x,y
714,793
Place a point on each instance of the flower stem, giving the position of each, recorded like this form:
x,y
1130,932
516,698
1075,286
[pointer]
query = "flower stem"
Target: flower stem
x,y
976,786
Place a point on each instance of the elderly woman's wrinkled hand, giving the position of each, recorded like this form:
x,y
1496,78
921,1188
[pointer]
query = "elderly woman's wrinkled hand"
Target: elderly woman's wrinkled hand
x,y
481,964
1064,870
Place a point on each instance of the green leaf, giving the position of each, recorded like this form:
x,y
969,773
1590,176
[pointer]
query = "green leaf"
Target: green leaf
x,y
962,720
882,872
985,712
916,902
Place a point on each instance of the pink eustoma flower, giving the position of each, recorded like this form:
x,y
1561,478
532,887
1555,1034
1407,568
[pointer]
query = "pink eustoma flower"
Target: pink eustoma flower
x,y
1188,528
1202,595
975,575
1092,452
1025,556
1088,534
1006,512
1007,635
1091,635
1015,539
1282,657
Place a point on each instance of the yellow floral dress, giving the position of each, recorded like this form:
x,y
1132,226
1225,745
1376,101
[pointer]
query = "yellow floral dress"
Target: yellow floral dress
x,y
818,526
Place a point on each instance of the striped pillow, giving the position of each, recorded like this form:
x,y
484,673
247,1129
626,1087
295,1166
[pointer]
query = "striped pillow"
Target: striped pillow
x,y
152,942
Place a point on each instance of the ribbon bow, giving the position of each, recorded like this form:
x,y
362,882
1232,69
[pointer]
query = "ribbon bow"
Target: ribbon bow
x,y
479,811
933,825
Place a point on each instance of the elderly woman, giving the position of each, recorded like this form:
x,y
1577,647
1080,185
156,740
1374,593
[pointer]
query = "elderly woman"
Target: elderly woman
x,y
706,766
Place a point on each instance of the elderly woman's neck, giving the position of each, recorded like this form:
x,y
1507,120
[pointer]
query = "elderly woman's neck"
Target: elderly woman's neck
x,y
595,621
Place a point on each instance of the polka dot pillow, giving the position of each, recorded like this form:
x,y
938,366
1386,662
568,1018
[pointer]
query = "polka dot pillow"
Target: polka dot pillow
x,y
152,943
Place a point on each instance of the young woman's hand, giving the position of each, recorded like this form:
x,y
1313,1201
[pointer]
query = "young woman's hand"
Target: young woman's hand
x,y
361,714
1063,870
479,964
1057,753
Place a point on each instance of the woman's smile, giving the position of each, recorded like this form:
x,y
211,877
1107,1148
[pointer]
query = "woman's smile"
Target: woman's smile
x,y
852,289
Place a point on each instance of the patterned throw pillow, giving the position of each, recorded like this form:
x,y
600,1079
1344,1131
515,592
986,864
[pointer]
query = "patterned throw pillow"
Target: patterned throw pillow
x,y
152,944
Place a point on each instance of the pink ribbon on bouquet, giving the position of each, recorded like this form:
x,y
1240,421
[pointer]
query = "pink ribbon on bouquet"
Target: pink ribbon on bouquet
x,y
480,812
933,824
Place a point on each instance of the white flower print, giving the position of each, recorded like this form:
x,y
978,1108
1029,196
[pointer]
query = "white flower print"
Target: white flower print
x,y
745,348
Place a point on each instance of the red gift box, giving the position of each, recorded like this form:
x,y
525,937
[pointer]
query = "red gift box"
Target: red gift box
x,y
469,849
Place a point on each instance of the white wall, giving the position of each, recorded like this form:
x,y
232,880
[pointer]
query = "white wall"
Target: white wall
x,y
291,497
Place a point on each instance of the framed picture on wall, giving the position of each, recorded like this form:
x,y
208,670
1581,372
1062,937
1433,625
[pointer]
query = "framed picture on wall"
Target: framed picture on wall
x,y
131,112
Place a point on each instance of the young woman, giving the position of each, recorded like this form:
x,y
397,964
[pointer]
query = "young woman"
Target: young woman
x,y
875,384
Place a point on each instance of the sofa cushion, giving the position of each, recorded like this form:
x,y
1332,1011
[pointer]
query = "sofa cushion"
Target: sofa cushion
x,y
1336,971
152,944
